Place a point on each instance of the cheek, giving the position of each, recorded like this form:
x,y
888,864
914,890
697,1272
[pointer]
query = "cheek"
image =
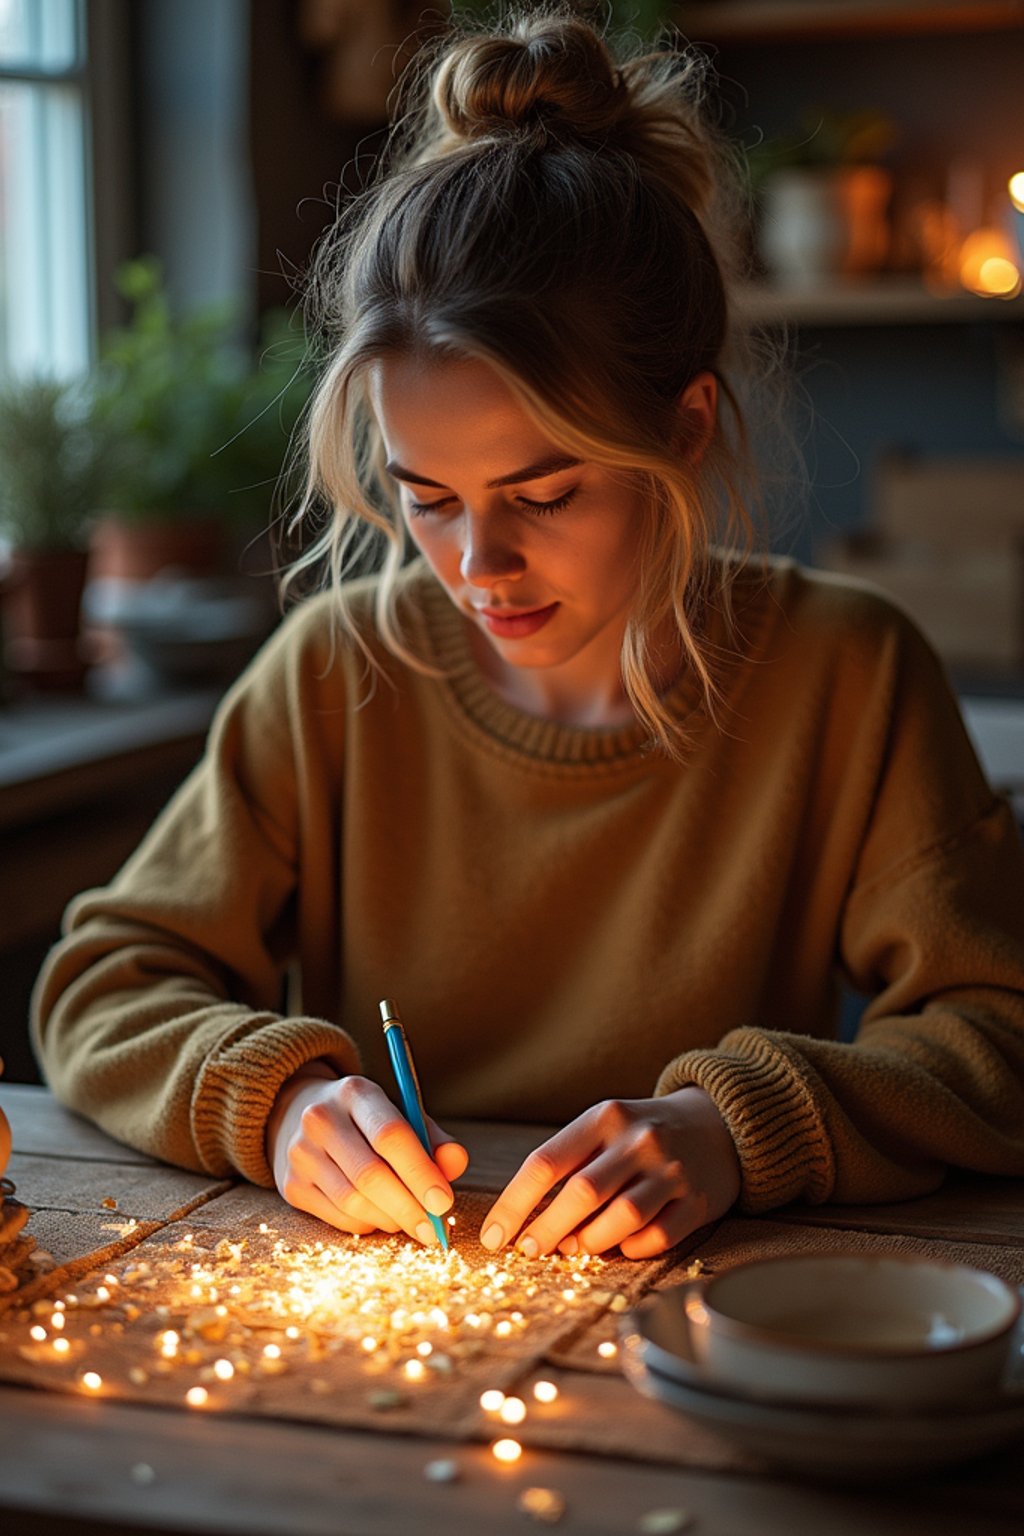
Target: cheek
x,y
435,543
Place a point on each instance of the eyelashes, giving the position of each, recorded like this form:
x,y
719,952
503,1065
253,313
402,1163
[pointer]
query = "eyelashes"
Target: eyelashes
x,y
537,508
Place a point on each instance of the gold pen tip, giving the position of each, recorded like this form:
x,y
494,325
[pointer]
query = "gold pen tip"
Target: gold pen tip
x,y
389,1012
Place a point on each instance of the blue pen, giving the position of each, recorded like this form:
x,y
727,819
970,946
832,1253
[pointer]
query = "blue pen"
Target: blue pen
x,y
409,1087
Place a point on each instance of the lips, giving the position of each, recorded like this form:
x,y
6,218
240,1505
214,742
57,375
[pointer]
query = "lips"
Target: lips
x,y
516,623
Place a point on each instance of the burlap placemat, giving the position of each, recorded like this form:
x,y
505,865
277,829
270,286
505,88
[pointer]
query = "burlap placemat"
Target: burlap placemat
x,y
250,1307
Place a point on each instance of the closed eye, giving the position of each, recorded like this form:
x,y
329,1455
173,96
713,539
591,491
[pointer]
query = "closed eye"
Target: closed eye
x,y
538,508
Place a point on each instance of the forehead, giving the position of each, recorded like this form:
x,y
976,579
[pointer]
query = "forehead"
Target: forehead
x,y
415,398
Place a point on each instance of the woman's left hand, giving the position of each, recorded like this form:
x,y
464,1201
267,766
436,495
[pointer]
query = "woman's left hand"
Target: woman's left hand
x,y
640,1174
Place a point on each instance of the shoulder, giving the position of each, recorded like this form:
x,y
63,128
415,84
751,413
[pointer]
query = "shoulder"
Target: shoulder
x,y
326,641
791,612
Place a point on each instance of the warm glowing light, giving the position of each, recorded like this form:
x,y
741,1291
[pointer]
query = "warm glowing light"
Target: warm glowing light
x,y
92,1380
425,1348
58,1320
502,1329
415,1370
506,1450
197,1397
368,1343
38,1333
1016,187
223,1370
607,1350
491,1400
987,265
61,1346
1000,277
272,1351
545,1391
513,1411
102,1293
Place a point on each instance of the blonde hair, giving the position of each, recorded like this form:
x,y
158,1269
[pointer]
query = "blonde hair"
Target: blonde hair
x,y
567,220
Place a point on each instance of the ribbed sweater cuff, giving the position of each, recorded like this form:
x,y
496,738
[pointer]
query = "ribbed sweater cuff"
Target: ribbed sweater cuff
x,y
239,1082
765,1094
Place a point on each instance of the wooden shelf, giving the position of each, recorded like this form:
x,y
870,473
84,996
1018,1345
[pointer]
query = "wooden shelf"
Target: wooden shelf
x,y
881,301
753,20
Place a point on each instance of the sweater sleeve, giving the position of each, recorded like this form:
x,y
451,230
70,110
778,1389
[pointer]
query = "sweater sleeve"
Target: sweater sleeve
x,y
156,1014
932,929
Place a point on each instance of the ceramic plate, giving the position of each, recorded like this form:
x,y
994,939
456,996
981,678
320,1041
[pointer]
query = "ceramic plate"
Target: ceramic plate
x,y
832,1442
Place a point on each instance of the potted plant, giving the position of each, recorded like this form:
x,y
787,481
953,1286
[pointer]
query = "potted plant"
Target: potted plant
x,y
197,433
823,197
50,456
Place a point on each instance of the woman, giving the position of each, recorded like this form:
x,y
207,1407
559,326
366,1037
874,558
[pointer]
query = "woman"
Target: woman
x,y
607,806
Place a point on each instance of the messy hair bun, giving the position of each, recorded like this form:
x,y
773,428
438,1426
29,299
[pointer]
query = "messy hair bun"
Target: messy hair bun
x,y
566,219
552,77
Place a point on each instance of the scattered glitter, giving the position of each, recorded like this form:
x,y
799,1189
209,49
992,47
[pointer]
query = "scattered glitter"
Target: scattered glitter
x,y
92,1380
424,1348
506,1450
545,1391
197,1397
442,1471
491,1401
664,1522
541,1504
607,1350
38,1333
272,1351
512,1411
61,1346
58,1320
223,1370
415,1370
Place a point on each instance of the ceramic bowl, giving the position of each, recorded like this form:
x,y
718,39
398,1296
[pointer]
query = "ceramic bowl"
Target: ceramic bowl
x,y
853,1329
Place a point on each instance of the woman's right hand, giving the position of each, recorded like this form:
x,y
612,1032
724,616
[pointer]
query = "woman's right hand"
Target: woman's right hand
x,y
340,1149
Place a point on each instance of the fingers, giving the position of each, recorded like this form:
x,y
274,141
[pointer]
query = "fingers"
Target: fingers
x,y
347,1141
675,1221
397,1174
628,1204
315,1170
539,1174
450,1156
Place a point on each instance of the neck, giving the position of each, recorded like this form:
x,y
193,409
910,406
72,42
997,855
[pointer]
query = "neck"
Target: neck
x,y
586,691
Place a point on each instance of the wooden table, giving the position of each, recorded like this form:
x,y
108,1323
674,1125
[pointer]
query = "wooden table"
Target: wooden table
x,y
65,1461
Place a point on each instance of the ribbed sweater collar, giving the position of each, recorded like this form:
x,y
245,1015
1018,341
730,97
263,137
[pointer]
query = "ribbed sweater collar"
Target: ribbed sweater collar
x,y
472,698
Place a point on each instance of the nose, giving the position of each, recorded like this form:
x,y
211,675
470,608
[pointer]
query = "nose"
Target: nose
x,y
489,550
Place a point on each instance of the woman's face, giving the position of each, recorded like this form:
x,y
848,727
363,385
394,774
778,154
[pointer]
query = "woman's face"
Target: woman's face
x,y
535,547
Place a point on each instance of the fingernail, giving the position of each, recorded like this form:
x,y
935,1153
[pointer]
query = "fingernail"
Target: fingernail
x,y
436,1200
493,1237
569,1246
425,1232
529,1246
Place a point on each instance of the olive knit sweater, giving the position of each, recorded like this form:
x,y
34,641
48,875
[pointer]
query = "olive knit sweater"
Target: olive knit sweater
x,y
566,915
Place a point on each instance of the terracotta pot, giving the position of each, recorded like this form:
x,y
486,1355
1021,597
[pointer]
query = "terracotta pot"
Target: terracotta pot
x,y
42,598
137,551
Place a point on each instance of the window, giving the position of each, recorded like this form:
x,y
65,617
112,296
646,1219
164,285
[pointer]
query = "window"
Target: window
x,y
45,236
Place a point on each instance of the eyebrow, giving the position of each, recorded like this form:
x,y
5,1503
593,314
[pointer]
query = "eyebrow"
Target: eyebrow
x,y
538,471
